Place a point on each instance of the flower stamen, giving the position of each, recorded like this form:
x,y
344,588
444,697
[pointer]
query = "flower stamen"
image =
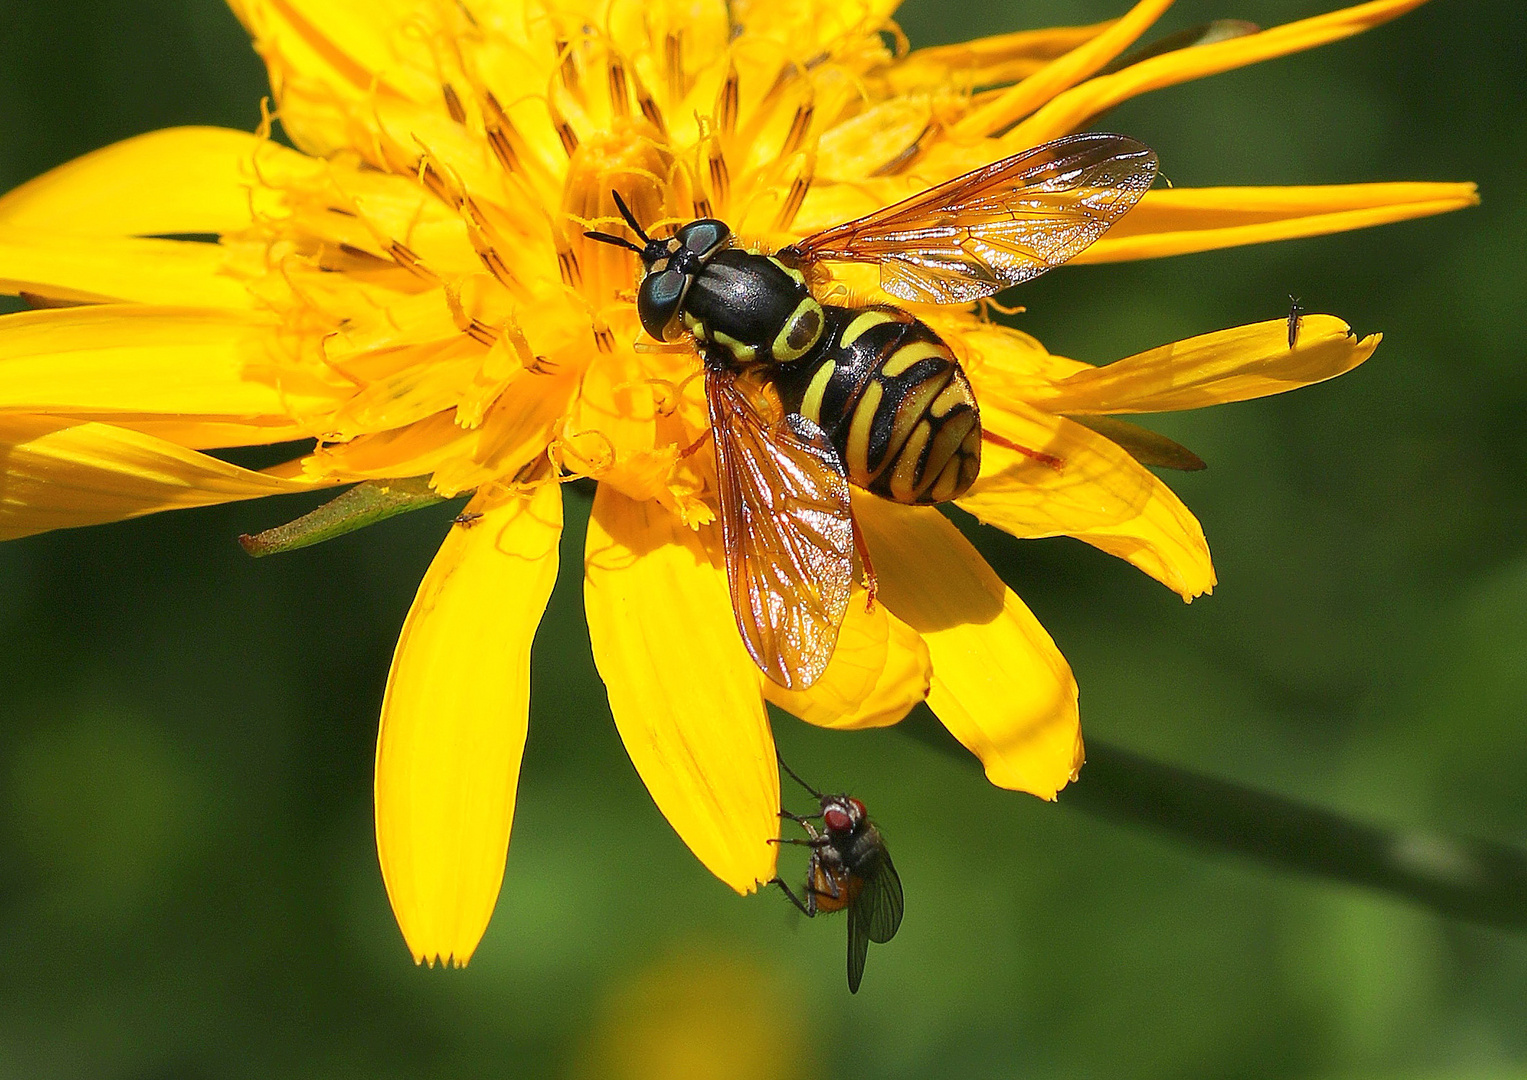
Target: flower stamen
x,y
453,104
726,101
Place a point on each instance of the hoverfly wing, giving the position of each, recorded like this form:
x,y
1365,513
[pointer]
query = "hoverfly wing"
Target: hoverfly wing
x,y
786,529
999,225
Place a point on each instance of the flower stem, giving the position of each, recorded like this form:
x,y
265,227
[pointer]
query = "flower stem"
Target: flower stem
x,y
1477,880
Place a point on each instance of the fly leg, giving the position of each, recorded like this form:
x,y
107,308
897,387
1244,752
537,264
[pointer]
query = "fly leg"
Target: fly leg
x,y
808,910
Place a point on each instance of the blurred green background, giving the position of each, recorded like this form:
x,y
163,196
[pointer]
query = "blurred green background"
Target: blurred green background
x,y
188,885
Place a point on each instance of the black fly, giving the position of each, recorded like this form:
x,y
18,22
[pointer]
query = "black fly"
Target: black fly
x,y
849,868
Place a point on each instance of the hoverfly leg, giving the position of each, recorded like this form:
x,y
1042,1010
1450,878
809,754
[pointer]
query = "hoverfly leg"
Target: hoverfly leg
x,y
1048,460
871,583
810,912
689,450
798,841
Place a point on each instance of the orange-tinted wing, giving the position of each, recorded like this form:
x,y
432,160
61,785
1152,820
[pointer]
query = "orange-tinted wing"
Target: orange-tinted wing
x,y
787,530
998,226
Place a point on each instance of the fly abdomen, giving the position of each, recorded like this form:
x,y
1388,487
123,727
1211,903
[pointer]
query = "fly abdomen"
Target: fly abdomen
x,y
892,400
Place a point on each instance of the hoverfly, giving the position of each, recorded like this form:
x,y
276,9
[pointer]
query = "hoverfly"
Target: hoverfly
x,y
849,868
806,398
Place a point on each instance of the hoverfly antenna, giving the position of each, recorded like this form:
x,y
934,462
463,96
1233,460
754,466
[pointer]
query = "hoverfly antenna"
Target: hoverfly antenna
x,y
613,241
814,792
625,212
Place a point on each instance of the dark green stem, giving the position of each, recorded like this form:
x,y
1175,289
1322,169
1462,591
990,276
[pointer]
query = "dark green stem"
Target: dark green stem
x,y
1467,879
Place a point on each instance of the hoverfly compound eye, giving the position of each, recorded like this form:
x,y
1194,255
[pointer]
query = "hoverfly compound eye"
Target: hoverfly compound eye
x,y
705,237
856,808
660,300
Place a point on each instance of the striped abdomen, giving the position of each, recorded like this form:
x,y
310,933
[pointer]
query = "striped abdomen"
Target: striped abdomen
x,y
893,401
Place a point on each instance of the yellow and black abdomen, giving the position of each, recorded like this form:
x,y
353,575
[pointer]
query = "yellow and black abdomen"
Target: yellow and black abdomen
x,y
892,400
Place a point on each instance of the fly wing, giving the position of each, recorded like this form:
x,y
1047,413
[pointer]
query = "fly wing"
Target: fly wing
x,y
999,225
881,902
787,531
858,947
874,915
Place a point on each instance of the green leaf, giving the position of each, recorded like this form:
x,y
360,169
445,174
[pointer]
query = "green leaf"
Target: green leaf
x,y
1144,445
364,504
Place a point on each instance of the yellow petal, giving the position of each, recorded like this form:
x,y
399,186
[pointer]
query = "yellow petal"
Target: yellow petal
x,y
346,44
1063,72
999,683
100,269
1184,220
211,434
1072,109
682,688
1229,365
109,359
878,672
454,720
179,180
988,61
808,27
1100,495
61,474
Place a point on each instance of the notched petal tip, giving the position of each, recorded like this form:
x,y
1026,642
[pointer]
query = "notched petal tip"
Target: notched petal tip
x,y
442,960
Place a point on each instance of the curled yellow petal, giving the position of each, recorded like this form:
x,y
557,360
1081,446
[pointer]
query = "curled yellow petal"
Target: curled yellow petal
x,y
1180,221
454,722
111,359
878,672
1099,494
1063,72
988,61
102,269
682,688
61,474
1000,685
179,180
1072,109
1229,365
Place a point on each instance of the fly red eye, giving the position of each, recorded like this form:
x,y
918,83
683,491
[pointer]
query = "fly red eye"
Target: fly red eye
x,y
837,820
858,809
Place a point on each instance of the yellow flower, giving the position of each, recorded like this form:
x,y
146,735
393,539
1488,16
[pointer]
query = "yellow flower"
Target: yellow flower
x,y
412,289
